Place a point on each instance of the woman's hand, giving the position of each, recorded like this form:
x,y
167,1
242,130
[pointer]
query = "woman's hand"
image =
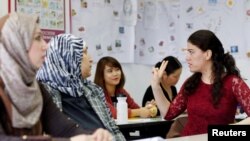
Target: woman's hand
x,y
161,100
102,135
151,105
82,138
99,135
158,73
144,112
153,111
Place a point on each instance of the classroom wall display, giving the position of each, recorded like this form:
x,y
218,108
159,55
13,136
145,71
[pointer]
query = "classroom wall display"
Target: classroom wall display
x,y
145,31
226,18
51,13
107,26
157,30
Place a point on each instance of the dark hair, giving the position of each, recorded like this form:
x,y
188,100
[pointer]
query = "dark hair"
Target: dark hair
x,y
173,64
99,74
222,63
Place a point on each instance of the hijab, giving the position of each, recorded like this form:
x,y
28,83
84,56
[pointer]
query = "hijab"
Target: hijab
x,y
62,67
62,71
17,71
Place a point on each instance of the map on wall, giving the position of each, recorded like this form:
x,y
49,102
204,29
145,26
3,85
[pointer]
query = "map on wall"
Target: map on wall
x,y
51,13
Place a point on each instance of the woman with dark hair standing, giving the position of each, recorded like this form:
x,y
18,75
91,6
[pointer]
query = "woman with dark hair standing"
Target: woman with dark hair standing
x,y
169,79
211,94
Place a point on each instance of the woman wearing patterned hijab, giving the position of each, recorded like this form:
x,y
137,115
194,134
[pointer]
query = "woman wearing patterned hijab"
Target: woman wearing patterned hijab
x,y
64,74
26,110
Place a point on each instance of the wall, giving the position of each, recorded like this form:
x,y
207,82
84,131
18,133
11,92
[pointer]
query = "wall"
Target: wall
x,y
4,7
138,76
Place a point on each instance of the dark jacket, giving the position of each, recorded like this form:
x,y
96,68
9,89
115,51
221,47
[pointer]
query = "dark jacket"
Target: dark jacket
x,y
52,122
148,96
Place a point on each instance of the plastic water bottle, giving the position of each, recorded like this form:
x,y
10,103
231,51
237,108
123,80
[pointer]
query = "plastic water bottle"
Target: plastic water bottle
x,y
122,109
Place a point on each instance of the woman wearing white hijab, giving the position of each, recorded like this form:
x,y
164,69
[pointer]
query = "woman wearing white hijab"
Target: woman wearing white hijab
x,y
26,110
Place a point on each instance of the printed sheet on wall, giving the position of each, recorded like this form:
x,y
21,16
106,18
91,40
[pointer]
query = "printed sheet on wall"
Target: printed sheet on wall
x,y
107,27
228,19
146,31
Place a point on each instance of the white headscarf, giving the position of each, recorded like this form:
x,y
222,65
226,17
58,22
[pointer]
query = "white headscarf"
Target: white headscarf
x,y
17,72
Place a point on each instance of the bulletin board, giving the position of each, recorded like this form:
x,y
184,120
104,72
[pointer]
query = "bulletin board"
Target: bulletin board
x,y
51,13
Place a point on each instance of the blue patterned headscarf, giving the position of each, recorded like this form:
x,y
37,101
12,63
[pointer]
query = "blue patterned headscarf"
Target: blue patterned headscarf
x,y
62,67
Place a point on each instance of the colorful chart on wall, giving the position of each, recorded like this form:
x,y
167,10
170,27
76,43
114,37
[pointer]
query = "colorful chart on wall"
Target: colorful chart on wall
x,y
51,13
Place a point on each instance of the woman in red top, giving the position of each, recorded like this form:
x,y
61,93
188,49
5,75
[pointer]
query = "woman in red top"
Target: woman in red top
x,y
109,75
211,94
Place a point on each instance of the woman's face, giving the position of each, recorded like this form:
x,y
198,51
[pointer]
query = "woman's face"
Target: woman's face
x,y
37,51
196,58
86,63
173,78
112,75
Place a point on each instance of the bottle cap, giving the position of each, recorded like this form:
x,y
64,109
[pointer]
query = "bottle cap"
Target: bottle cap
x,y
120,95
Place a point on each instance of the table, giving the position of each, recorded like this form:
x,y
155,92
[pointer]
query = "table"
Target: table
x,y
139,128
200,137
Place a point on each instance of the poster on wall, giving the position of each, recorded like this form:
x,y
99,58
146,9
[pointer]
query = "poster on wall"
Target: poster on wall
x,y
224,17
50,12
146,31
107,27
157,31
